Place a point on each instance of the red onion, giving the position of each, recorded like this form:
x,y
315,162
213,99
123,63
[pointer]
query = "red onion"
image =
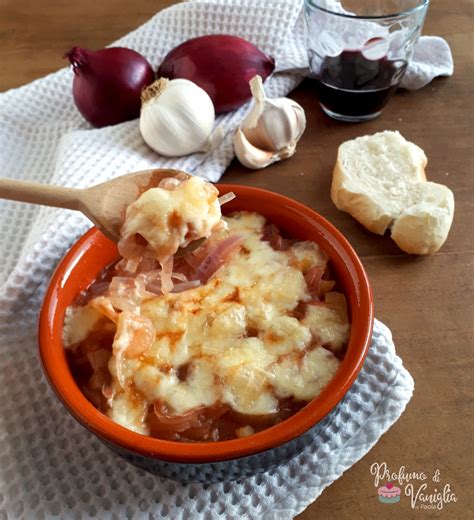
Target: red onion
x,y
272,235
108,83
222,65
185,286
313,280
218,256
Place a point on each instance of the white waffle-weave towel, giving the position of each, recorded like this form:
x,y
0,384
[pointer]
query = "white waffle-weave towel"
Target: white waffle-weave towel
x,y
51,467
44,138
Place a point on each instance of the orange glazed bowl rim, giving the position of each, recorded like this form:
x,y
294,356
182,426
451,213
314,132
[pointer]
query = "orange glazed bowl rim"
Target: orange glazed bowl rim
x,y
64,287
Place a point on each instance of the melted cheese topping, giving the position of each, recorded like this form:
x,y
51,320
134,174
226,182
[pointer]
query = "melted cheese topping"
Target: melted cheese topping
x,y
168,219
235,335
78,322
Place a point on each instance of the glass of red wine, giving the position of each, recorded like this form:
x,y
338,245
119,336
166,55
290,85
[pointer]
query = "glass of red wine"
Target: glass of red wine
x,y
359,50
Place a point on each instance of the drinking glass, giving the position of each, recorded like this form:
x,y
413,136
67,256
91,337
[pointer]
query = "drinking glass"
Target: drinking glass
x,y
359,50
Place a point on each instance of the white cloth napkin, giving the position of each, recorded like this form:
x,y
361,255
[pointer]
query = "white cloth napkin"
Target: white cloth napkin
x,y
432,58
50,466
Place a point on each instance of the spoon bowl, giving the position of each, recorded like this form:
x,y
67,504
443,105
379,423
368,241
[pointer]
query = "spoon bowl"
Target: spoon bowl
x,y
104,204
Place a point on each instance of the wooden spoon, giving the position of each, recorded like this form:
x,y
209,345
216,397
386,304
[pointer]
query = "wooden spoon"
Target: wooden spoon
x,y
105,204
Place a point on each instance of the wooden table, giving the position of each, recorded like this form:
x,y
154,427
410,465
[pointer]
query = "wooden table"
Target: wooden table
x,y
427,302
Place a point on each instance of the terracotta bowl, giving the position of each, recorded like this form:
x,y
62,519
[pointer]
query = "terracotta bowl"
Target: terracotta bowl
x,y
223,460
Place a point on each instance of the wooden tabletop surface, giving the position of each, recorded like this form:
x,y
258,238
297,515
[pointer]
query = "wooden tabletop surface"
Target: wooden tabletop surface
x,y
427,302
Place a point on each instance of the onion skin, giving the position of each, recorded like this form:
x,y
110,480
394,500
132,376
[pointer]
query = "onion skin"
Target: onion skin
x,y
220,64
108,83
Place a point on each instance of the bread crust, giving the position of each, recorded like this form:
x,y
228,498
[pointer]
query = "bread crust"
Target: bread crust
x,y
423,228
419,228
421,172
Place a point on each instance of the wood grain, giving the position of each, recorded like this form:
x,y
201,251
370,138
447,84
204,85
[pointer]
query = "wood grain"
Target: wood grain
x,y
427,302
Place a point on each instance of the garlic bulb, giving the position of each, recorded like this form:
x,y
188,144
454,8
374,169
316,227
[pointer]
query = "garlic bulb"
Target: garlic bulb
x,y
270,131
177,117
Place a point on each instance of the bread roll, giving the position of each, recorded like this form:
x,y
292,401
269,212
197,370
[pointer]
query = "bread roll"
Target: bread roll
x,y
380,180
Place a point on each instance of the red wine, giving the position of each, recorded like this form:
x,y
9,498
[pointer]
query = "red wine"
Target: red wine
x,y
352,85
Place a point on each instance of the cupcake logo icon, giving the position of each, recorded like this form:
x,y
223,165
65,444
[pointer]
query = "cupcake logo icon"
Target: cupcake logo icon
x,y
389,494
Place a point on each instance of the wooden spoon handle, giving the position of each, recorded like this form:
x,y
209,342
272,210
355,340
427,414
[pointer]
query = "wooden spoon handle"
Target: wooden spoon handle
x,y
35,193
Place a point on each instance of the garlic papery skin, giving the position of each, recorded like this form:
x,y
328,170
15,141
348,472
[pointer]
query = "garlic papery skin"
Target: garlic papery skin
x,y
252,157
270,131
177,117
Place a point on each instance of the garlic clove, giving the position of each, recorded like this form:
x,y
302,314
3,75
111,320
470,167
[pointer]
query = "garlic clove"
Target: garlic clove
x,y
278,126
259,99
300,119
271,129
294,125
255,158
